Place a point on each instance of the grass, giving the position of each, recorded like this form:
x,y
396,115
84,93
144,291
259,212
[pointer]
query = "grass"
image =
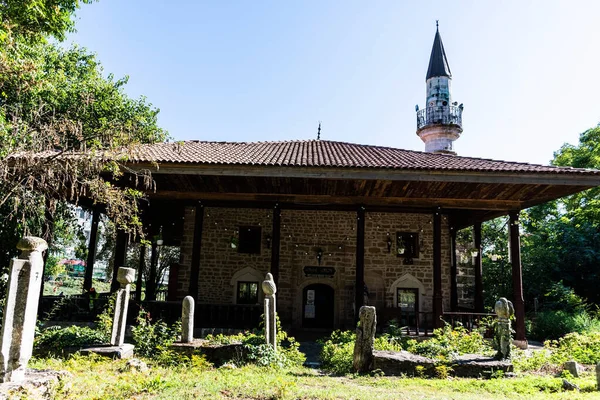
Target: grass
x,y
98,378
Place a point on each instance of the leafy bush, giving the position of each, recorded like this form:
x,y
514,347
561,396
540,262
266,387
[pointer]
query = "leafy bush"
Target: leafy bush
x,y
447,343
581,347
105,318
152,338
563,312
258,352
55,340
555,324
338,351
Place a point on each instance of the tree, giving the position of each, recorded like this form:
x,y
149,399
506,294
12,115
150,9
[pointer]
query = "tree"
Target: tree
x,y
562,238
65,128
34,20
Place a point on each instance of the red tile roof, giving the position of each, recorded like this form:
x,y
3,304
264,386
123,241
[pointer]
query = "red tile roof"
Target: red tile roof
x,y
324,153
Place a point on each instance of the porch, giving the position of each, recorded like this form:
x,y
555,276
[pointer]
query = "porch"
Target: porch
x,y
207,192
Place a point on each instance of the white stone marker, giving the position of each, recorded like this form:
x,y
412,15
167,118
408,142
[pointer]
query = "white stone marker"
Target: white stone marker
x,y
187,320
269,288
125,276
20,311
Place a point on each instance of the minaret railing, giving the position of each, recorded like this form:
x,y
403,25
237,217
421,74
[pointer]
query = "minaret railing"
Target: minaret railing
x,y
444,115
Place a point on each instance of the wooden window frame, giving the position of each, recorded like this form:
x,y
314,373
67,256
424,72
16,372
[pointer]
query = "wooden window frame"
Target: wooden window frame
x,y
248,243
414,247
249,292
415,290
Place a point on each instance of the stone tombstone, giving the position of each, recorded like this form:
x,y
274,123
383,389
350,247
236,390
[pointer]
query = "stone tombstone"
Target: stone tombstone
x,y
503,336
365,337
125,276
187,320
20,311
573,367
269,289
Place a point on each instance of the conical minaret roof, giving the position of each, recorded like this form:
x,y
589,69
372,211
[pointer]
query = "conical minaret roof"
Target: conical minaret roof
x,y
438,63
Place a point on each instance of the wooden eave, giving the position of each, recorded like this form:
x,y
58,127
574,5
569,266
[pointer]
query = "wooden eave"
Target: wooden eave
x,y
467,196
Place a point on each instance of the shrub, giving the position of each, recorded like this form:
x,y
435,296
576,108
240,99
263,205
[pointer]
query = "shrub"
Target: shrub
x,y
581,347
448,343
151,338
105,318
55,340
258,352
338,351
555,324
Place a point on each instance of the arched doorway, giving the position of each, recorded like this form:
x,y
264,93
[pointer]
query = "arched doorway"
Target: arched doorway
x,y
317,306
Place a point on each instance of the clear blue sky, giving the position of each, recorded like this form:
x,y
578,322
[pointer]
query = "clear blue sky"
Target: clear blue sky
x,y
526,71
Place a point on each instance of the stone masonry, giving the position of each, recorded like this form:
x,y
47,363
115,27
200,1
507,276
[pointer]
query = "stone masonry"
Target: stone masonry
x,y
303,232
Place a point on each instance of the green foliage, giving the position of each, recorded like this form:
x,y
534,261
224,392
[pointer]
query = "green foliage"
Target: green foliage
x,y
52,267
338,350
60,100
105,318
34,19
563,312
447,343
581,347
151,338
55,340
99,377
554,324
264,355
442,371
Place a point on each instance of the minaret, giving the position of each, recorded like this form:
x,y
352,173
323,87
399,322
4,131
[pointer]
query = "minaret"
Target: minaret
x,y
439,124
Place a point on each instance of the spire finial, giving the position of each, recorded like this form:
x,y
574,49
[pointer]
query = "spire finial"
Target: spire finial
x,y
319,131
437,24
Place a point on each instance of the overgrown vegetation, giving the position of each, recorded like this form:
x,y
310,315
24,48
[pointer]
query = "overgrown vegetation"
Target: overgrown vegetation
x,y
152,338
94,378
445,344
259,353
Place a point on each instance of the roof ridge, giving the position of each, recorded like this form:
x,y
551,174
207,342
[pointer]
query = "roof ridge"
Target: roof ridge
x,y
359,147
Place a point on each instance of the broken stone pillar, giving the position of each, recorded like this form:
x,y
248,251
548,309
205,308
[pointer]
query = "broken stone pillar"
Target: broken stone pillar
x,y
365,337
269,290
503,335
20,311
573,367
125,277
187,320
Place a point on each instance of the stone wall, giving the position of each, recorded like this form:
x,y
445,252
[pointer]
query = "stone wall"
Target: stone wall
x,y
303,233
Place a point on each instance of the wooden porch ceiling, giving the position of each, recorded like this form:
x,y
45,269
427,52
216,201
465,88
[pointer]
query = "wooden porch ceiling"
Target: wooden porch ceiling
x,y
467,198
378,192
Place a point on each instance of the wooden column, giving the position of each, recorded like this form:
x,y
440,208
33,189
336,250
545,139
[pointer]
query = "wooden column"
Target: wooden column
x,y
91,256
478,268
196,251
139,281
360,262
276,243
119,259
453,272
438,299
151,280
517,276
47,235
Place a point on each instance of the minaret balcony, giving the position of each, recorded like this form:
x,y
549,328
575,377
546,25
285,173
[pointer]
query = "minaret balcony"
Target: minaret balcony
x,y
442,115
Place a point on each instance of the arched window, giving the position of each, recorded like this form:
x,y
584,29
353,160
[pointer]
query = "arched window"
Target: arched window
x,y
408,293
246,286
